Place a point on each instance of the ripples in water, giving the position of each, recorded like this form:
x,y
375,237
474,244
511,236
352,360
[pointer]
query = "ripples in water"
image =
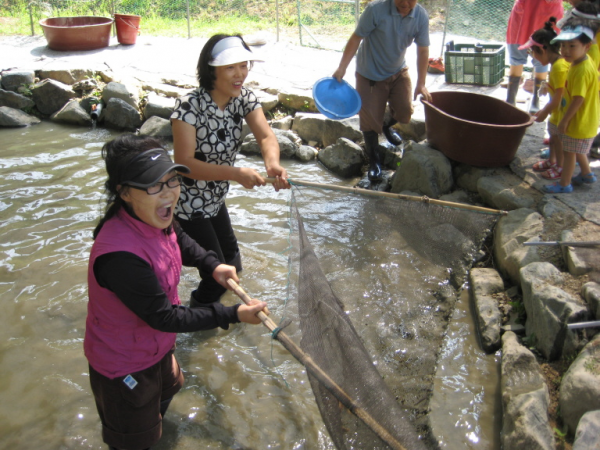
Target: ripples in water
x,y
242,389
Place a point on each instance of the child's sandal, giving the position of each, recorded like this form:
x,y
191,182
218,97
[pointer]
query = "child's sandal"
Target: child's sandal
x,y
553,173
556,188
541,166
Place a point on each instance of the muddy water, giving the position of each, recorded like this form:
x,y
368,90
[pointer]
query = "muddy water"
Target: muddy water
x,y
242,390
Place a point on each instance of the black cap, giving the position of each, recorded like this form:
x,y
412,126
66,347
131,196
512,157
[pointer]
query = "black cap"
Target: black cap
x,y
147,168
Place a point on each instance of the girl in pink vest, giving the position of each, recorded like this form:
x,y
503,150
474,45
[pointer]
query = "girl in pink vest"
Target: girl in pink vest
x,y
134,311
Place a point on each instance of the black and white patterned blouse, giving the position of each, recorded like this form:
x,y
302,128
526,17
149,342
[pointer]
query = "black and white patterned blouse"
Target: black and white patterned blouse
x,y
218,139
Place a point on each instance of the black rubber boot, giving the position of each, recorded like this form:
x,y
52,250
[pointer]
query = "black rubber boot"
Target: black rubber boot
x,y
535,101
512,89
372,148
392,135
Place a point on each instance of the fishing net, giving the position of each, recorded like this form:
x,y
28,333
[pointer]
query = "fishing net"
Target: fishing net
x,y
373,281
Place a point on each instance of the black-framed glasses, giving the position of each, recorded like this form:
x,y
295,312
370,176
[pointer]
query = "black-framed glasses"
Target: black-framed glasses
x,y
156,188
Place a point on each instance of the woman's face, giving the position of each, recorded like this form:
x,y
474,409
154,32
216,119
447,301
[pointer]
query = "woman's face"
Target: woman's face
x,y
155,210
230,79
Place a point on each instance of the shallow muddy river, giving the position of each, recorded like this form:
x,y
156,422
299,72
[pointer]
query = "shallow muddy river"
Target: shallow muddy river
x,y
242,390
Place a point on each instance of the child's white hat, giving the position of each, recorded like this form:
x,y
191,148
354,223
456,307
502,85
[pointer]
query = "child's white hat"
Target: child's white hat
x,y
568,34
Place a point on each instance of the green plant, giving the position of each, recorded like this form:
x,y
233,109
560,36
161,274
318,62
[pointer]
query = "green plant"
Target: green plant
x,y
530,341
25,89
519,309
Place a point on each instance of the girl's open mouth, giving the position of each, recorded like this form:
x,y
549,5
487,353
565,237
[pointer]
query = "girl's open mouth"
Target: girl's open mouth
x,y
165,212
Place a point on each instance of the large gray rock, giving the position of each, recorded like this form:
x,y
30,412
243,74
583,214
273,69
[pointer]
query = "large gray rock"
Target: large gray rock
x,y
467,177
549,309
580,386
72,113
298,100
13,80
121,91
306,153
66,76
525,399
158,127
165,90
14,100
268,101
121,115
587,436
344,158
512,230
506,191
591,294
484,284
324,131
423,170
415,129
288,146
282,124
13,118
159,106
579,260
50,96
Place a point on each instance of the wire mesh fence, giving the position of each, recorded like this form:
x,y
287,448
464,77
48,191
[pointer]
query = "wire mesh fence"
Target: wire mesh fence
x,y
317,23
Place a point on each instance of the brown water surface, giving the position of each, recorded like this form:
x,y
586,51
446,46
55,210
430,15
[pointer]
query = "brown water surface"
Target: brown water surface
x,y
242,391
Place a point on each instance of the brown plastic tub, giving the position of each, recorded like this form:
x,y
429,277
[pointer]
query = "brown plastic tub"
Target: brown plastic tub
x,y
77,33
474,129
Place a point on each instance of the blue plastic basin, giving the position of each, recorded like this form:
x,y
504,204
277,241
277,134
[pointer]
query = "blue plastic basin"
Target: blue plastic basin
x,y
336,100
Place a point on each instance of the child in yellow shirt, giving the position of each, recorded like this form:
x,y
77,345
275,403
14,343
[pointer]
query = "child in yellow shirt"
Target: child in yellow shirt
x,y
581,110
540,48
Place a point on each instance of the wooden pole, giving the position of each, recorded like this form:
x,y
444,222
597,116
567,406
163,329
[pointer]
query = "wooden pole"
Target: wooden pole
x,y
319,374
361,191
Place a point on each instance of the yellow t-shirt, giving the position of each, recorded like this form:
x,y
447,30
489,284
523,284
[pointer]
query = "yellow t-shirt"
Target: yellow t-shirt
x,y
556,80
582,81
594,54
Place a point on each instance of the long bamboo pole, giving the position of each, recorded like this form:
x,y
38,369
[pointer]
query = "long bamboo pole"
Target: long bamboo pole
x,y
319,374
361,191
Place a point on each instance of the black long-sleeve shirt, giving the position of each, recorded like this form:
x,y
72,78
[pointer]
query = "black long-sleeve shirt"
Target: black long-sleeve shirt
x,y
136,285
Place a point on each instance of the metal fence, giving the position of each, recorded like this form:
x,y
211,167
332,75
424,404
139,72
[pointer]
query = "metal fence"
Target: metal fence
x,y
318,23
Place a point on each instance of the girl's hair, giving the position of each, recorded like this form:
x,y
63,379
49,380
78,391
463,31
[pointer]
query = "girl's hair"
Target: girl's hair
x,y
545,35
206,72
117,154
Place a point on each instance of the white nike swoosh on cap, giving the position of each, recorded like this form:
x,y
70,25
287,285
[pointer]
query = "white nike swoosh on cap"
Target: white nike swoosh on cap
x,y
153,158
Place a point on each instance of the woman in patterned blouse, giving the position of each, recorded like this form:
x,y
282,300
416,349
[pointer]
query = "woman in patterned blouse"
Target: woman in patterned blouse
x,y
207,131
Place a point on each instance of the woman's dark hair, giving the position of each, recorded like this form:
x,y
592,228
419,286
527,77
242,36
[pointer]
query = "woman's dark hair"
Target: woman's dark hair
x,y
545,35
117,154
206,72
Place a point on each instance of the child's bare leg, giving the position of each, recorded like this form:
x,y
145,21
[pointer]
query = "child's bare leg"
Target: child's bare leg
x,y
558,150
553,158
568,168
584,163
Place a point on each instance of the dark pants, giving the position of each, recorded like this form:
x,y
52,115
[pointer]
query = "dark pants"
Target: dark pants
x,y
214,234
132,418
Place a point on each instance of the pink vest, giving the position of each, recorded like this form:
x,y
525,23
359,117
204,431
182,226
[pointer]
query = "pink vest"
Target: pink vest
x,y
117,342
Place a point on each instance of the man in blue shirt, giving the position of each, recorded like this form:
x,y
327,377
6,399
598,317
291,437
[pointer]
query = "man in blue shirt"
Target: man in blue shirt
x,y
385,30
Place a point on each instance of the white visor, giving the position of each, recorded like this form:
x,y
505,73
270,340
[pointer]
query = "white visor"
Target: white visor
x,y
231,51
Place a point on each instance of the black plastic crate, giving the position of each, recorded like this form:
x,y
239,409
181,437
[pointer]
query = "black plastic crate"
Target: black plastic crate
x,y
482,64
